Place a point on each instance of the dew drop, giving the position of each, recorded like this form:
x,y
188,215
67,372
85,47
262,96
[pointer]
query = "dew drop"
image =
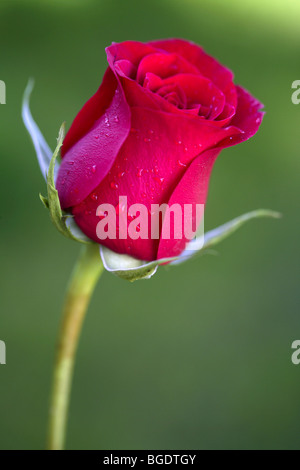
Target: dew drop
x,y
113,185
178,142
71,162
180,163
130,217
94,197
116,119
102,213
144,195
147,140
139,172
96,136
159,180
185,149
156,170
94,168
87,212
106,121
121,173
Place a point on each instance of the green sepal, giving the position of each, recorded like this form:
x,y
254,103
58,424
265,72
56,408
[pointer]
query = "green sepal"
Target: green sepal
x,y
58,217
44,201
128,268
131,269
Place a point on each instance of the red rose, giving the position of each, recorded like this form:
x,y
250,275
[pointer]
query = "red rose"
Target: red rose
x,y
152,132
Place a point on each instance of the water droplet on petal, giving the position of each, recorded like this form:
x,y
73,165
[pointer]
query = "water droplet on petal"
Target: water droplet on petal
x,y
180,163
156,170
147,140
113,185
116,119
178,142
94,197
71,162
94,168
102,213
159,180
121,173
139,172
106,120
144,195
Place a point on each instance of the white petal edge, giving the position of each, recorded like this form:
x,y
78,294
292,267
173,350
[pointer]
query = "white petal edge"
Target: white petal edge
x,y
43,151
125,266
75,230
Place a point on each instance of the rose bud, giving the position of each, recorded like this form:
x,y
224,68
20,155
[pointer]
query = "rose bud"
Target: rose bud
x,y
149,136
152,133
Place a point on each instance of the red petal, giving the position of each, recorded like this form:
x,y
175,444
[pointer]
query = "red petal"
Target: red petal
x,y
199,90
248,117
93,142
192,189
133,51
221,76
163,65
148,168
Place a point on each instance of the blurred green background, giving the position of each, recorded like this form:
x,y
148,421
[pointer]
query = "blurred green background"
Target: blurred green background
x,y
200,356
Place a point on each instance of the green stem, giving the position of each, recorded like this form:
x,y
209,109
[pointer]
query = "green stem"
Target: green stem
x,y
83,280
